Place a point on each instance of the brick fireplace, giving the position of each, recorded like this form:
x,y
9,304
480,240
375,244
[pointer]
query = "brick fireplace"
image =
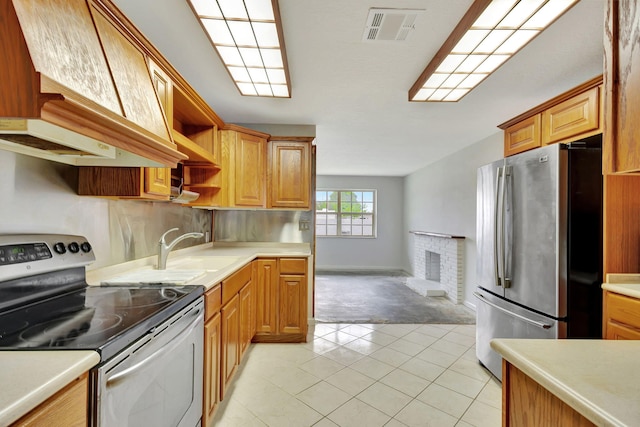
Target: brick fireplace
x,y
437,265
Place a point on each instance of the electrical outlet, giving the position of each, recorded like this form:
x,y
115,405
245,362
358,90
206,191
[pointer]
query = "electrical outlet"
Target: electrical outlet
x,y
303,225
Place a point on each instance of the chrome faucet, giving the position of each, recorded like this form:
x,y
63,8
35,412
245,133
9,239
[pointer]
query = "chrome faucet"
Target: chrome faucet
x,y
164,248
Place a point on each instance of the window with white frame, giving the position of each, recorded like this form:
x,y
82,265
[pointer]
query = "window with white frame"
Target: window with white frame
x,y
346,213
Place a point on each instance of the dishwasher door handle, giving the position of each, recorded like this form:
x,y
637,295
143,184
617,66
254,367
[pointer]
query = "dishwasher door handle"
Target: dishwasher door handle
x,y
512,314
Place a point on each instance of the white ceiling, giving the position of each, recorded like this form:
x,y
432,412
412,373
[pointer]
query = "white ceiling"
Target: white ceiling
x,y
355,92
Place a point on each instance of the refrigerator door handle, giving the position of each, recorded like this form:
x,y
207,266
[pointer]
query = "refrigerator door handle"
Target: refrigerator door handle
x,y
511,313
496,246
506,217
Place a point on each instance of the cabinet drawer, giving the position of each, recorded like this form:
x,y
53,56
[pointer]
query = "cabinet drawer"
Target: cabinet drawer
x,y
293,265
235,282
623,309
212,301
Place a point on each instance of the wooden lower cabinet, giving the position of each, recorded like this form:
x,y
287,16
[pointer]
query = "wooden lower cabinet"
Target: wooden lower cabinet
x,y
247,318
230,342
292,315
281,288
527,403
66,408
621,317
212,342
266,290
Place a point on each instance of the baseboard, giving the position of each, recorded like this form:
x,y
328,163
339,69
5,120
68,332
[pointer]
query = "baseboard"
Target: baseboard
x,y
470,305
357,269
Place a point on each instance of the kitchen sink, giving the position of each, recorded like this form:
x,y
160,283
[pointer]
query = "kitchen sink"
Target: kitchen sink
x,y
207,263
161,277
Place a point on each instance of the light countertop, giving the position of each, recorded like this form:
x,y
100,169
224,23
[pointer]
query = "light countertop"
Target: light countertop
x,y
29,378
625,284
600,379
199,256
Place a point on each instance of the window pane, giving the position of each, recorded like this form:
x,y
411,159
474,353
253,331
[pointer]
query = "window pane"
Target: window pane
x,y
321,224
332,224
345,213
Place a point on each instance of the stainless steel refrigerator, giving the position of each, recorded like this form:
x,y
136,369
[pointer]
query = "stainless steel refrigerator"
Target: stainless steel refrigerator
x,y
539,240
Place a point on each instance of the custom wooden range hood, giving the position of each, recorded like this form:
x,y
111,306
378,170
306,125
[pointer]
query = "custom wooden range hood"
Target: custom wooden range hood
x,y
75,88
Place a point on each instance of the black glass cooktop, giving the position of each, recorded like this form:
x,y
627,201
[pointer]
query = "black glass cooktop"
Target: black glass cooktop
x,y
105,319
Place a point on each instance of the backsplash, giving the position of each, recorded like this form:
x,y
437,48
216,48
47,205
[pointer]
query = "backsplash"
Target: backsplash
x,y
263,226
39,196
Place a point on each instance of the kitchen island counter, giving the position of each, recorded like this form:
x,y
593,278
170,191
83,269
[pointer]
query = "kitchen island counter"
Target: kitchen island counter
x,y
29,378
597,378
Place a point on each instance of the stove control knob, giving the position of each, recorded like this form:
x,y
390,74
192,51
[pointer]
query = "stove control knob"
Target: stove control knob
x,y
86,247
59,248
74,247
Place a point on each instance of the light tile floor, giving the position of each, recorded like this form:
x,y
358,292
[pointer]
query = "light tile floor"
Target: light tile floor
x,y
365,375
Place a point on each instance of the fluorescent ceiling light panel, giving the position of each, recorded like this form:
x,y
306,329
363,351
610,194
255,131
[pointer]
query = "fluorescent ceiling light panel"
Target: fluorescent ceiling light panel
x,y
247,34
487,35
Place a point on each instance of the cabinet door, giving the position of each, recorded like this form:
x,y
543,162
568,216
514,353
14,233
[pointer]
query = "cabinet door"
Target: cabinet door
x,y
522,136
250,168
157,181
246,317
212,342
289,175
618,331
266,296
575,116
622,89
293,304
68,407
230,342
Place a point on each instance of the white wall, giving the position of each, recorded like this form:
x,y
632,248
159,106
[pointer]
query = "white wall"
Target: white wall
x,y
38,196
384,252
441,198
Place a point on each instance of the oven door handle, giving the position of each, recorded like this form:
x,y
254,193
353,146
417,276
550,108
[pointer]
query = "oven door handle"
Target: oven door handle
x,y
114,380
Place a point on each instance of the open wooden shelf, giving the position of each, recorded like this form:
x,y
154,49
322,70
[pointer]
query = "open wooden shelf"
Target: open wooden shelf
x,y
195,152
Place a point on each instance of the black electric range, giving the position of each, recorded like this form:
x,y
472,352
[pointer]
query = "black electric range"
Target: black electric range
x,y
46,304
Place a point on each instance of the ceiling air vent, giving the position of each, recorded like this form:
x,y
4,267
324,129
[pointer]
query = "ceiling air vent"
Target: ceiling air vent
x,y
390,24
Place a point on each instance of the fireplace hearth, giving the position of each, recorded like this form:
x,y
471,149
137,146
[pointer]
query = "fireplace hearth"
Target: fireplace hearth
x,y
437,265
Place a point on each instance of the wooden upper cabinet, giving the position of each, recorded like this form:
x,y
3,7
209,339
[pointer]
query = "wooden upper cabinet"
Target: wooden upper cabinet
x,y
622,87
244,166
522,136
250,168
157,181
289,174
572,115
576,116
